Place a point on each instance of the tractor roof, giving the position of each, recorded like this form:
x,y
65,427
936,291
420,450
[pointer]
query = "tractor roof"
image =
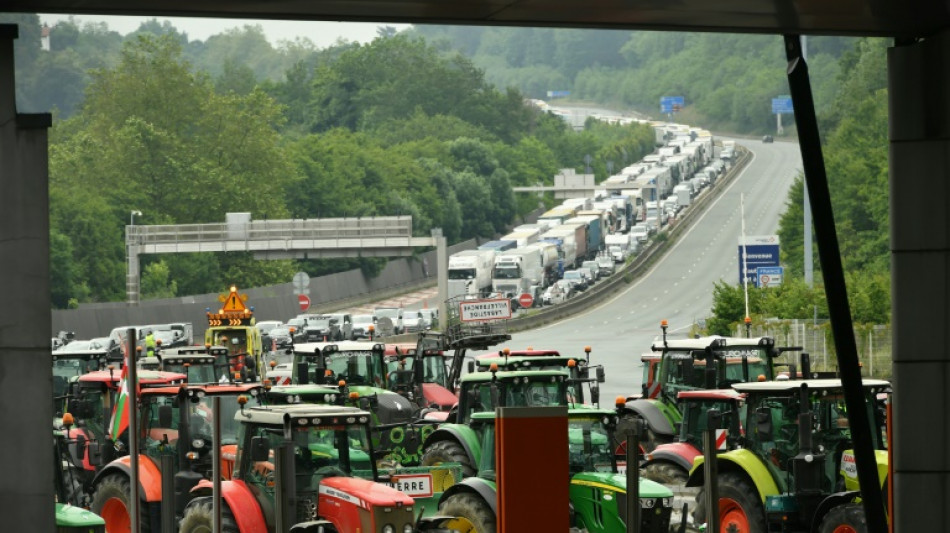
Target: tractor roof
x,y
535,375
793,386
309,413
710,394
146,377
209,389
714,341
572,414
525,361
529,352
340,346
192,351
85,355
309,388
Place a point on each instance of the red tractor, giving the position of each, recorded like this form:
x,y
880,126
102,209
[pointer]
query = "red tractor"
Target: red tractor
x,y
175,421
296,472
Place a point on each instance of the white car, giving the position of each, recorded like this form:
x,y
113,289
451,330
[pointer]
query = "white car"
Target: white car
x,y
641,232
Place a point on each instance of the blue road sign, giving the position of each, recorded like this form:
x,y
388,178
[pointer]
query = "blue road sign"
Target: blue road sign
x,y
782,106
769,276
558,94
670,104
761,251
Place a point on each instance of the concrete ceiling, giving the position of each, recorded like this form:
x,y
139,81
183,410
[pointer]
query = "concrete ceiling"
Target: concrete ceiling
x,y
907,18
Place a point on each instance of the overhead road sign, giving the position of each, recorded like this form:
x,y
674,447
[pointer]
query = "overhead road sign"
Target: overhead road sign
x,y
782,106
671,104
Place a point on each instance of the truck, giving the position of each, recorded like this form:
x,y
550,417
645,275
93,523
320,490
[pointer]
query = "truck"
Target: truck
x,y
470,272
498,246
624,203
576,233
232,326
518,272
523,238
622,243
563,239
549,262
595,233
683,194
578,203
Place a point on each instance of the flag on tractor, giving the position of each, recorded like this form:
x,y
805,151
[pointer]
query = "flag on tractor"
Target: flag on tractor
x,y
120,411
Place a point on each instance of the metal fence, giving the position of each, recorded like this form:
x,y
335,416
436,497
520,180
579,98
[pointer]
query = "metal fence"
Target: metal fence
x,y
814,336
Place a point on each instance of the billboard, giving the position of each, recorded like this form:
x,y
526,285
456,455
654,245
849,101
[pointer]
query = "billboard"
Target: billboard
x,y
761,251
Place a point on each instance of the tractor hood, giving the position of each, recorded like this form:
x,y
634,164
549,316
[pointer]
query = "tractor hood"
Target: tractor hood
x,y
618,483
364,492
439,395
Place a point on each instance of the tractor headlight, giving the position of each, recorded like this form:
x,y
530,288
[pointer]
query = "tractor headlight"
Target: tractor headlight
x,y
389,529
407,528
647,503
667,502
198,444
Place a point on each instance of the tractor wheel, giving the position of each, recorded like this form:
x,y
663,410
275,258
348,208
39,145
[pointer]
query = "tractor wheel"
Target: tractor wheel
x,y
847,518
471,514
740,510
665,473
111,501
199,519
448,451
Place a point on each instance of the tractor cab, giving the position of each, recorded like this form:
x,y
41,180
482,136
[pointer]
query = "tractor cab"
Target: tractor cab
x,y
68,366
696,404
484,391
578,368
355,362
418,372
202,364
296,465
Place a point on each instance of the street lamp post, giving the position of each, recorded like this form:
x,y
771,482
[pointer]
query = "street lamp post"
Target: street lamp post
x,y
132,216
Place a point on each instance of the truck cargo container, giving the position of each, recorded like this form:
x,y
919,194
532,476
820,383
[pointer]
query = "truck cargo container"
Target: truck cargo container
x,y
523,238
518,271
558,214
498,246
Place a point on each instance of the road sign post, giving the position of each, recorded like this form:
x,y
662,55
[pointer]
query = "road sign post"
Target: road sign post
x,y
304,301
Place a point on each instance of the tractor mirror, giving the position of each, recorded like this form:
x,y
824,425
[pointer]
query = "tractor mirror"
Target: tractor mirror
x,y
583,371
260,450
601,377
594,394
471,367
95,453
763,423
302,376
81,408
165,416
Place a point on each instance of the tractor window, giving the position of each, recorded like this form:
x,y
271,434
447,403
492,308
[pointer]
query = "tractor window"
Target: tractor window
x,y
357,367
536,394
589,446
486,469
434,370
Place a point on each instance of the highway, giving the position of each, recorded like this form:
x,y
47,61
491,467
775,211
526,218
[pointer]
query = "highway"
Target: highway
x,y
677,288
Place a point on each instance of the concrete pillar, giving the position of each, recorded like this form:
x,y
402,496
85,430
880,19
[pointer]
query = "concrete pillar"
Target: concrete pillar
x,y
442,265
26,384
919,109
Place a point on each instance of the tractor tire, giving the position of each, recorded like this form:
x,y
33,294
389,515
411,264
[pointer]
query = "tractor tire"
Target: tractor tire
x,y
740,509
472,514
665,473
448,451
111,501
199,518
847,518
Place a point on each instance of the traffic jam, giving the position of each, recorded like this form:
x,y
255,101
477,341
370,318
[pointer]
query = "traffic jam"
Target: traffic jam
x,y
392,420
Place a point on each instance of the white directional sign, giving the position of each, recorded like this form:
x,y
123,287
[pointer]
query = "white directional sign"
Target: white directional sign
x,y
478,310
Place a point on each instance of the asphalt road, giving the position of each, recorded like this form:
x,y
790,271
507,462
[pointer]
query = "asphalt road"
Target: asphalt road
x,y
678,288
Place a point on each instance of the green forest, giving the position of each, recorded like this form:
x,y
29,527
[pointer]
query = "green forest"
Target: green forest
x,y
430,122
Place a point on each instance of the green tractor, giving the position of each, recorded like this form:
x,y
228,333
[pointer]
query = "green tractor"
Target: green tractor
x,y
457,442
795,469
693,364
597,491
531,359
71,517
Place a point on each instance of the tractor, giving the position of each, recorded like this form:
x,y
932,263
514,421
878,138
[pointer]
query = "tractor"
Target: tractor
x,y
202,364
531,359
176,421
597,491
71,517
233,327
457,442
694,364
307,467
68,366
794,471
670,463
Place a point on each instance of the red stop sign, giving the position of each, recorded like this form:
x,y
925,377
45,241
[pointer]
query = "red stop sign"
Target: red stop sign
x,y
525,300
304,301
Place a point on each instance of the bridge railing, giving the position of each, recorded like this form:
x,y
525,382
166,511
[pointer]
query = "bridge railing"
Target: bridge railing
x,y
265,230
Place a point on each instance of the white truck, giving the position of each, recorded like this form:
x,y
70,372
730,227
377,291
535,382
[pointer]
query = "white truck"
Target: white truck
x,y
470,272
618,246
524,237
683,194
518,272
565,239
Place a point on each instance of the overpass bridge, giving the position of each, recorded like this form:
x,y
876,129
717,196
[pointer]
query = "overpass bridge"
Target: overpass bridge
x,y
284,239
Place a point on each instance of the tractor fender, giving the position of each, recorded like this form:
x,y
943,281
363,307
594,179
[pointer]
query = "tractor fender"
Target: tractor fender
x,y
459,433
150,477
653,416
678,453
475,485
743,461
245,508
831,501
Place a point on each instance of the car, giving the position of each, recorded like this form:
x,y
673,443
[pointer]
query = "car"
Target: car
x,y
431,316
641,232
767,139
361,324
412,321
319,328
577,277
561,290
606,265
391,314
280,337
266,325
593,268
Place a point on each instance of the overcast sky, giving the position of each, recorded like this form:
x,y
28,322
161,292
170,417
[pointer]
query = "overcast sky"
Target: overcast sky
x,y
323,34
